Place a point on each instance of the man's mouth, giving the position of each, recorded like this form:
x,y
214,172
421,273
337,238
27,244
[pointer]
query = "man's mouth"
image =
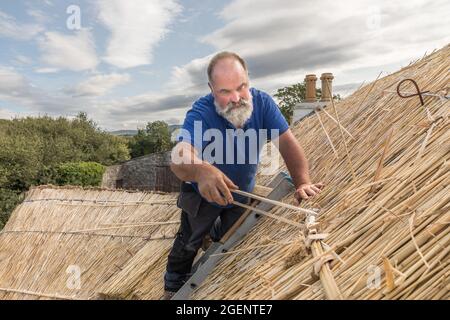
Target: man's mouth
x,y
241,103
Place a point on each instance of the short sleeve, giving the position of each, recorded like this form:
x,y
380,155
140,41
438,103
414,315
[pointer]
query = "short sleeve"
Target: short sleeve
x,y
193,129
272,117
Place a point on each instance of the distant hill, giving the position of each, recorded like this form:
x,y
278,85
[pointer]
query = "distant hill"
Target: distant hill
x,y
124,132
172,128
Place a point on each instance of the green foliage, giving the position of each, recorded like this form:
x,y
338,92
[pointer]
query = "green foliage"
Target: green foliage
x,y
154,138
9,199
79,173
61,140
46,150
20,159
289,96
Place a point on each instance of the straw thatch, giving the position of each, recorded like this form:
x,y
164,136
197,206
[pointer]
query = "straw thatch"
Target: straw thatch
x,y
385,208
385,205
57,232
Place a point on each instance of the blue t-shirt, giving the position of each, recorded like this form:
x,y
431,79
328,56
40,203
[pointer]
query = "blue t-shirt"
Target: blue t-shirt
x,y
235,152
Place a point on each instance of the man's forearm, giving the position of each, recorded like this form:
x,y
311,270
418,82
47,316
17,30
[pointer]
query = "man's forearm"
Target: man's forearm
x,y
295,159
185,164
299,170
187,172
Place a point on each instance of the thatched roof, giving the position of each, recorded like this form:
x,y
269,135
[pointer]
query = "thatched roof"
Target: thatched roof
x,y
57,232
397,228
385,208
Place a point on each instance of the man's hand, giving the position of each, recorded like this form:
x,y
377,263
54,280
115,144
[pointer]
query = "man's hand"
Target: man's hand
x,y
307,190
214,186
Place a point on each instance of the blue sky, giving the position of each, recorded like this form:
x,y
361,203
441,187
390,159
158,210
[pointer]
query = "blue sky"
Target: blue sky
x,y
130,62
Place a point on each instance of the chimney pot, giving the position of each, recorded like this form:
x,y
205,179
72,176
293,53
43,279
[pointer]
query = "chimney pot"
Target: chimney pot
x,y
310,81
327,87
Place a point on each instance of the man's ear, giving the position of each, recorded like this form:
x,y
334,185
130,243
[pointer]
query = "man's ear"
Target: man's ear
x,y
210,87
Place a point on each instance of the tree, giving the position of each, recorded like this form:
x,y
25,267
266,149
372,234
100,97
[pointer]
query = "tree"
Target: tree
x,y
154,138
47,150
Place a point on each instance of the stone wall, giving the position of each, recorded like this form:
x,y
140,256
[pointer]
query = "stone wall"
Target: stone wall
x,y
149,172
110,177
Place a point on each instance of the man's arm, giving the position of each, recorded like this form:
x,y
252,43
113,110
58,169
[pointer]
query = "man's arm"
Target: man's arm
x,y
297,164
212,183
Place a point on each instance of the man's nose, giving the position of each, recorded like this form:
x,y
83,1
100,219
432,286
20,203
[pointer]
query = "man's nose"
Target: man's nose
x,y
235,97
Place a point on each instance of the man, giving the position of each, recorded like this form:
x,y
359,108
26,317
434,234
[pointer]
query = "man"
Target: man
x,y
230,111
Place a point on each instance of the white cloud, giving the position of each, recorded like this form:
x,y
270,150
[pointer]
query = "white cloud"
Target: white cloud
x,y
191,76
10,28
127,112
72,52
46,70
10,80
132,111
7,114
98,85
17,89
136,28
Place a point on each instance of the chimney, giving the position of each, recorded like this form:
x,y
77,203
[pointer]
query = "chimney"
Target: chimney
x,y
327,88
310,81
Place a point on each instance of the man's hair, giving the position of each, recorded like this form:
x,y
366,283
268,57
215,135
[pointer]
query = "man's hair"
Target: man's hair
x,y
224,55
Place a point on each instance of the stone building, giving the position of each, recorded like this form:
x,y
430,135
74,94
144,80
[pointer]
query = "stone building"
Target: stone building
x,y
149,172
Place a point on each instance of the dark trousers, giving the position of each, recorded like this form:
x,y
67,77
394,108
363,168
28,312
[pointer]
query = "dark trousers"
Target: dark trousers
x,y
198,218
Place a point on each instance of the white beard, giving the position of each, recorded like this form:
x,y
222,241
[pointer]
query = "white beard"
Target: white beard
x,y
237,115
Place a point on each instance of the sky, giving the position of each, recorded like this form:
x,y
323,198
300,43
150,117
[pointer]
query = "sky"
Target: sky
x,y
128,62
